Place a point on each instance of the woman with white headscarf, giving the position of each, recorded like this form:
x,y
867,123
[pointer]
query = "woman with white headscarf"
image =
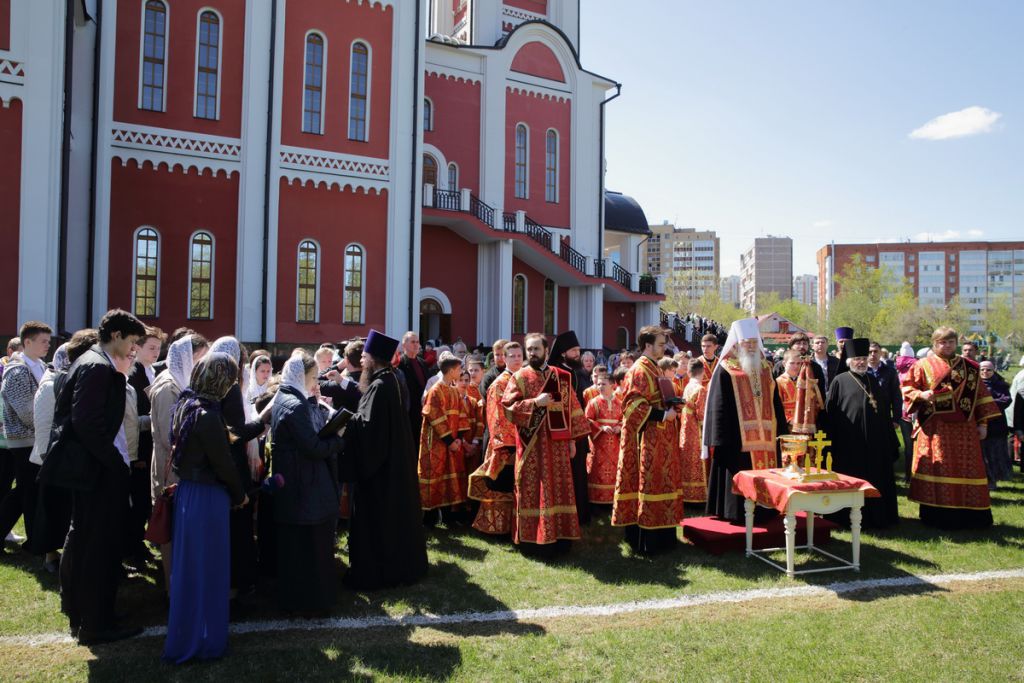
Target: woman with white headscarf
x,y
306,507
258,380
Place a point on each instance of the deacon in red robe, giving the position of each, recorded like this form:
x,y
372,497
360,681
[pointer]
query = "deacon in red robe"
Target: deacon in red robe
x,y
541,403
695,476
800,393
604,412
950,406
442,463
649,485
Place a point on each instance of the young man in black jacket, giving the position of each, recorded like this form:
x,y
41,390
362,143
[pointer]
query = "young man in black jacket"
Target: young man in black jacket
x,y
88,455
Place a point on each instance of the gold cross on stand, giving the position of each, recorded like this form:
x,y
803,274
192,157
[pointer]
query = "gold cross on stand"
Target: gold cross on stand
x,y
819,443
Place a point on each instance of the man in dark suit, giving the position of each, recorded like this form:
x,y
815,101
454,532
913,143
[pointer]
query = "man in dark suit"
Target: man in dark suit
x,y
416,375
826,362
89,456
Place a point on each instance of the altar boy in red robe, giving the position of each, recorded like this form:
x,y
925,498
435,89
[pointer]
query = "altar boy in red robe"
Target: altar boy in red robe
x,y
604,412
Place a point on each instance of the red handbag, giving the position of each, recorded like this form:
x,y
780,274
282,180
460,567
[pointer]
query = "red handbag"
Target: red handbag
x,y
158,530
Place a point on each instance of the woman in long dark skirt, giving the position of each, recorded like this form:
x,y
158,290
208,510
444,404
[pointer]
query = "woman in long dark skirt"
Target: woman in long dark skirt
x,y
209,486
306,507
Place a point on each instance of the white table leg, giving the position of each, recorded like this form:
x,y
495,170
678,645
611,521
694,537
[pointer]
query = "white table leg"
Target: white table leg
x,y
790,522
748,509
810,530
855,533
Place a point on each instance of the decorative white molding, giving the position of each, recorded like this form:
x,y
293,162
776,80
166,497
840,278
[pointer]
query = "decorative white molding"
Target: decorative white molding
x,y
12,72
340,183
438,296
374,172
172,162
452,74
538,91
371,3
521,14
141,138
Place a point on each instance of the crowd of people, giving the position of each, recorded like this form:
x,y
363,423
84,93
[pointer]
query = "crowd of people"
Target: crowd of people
x,y
236,464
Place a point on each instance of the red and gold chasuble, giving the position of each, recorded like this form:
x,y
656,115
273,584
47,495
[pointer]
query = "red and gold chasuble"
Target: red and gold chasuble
x,y
948,470
755,409
545,505
590,393
442,472
603,459
495,513
691,436
649,482
709,368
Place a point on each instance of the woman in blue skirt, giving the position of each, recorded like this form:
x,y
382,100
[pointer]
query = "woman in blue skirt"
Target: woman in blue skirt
x,y
209,486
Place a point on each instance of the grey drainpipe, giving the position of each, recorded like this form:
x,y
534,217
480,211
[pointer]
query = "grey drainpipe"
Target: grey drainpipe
x,y
600,174
65,168
415,161
267,180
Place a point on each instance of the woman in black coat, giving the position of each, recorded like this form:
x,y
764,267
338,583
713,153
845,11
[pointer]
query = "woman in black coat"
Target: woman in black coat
x,y
306,506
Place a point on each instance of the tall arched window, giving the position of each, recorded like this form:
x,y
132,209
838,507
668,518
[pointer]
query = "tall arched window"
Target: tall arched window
x,y
313,85
207,65
154,55
429,170
428,114
550,290
453,176
353,296
551,167
519,304
522,160
200,290
147,272
309,278
359,88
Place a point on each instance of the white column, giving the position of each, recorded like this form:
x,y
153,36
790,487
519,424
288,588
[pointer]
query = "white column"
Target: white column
x,y
647,313
586,314
494,291
104,118
42,117
273,198
252,196
492,131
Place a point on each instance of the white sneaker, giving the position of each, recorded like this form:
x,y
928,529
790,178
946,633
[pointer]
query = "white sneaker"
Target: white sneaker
x,y
14,538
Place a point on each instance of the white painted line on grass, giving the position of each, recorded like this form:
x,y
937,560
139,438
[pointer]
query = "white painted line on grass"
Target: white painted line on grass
x,y
530,615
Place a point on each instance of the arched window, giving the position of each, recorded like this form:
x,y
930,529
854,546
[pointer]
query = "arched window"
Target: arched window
x,y
428,114
522,160
453,176
551,167
353,296
550,289
519,304
147,272
200,290
309,278
429,170
358,104
154,55
207,65
313,88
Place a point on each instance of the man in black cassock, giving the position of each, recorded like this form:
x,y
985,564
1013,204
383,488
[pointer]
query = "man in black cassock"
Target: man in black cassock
x,y
864,444
742,360
387,545
565,354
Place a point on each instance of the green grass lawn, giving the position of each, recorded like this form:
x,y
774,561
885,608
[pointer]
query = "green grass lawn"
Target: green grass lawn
x,y
917,635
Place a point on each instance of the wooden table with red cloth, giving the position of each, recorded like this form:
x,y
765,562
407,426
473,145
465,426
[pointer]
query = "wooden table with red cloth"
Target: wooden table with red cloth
x,y
771,489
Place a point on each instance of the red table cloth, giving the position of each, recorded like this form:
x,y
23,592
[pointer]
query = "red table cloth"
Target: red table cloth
x,y
769,488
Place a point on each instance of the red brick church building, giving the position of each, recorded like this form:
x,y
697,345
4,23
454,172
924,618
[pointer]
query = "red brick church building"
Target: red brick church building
x,y
292,171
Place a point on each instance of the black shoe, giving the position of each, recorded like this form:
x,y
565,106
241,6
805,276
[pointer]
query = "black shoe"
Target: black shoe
x,y
110,635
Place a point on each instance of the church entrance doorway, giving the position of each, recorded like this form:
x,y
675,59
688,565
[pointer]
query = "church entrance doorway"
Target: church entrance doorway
x,y
434,322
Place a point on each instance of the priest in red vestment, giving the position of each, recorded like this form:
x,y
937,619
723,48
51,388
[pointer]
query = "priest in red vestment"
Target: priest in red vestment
x,y
800,393
541,403
695,394
649,486
442,460
950,406
604,412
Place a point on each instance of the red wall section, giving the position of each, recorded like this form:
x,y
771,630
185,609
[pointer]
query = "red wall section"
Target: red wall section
x,y
341,23
619,314
333,219
5,24
456,126
450,265
180,67
10,215
538,6
176,204
537,59
535,301
538,114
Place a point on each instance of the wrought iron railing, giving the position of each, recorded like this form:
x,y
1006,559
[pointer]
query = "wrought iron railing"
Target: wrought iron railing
x,y
447,200
539,234
483,212
648,284
572,257
622,276
599,267
508,221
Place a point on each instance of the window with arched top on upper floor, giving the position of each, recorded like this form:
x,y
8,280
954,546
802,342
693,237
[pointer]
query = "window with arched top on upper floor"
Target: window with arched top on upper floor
x,y
550,293
429,170
453,176
522,161
200,286
359,93
307,310
146,273
208,43
352,298
551,166
519,304
428,114
152,89
313,84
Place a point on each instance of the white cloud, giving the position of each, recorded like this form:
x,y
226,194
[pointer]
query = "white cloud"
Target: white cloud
x,y
947,235
822,224
975,233
970,121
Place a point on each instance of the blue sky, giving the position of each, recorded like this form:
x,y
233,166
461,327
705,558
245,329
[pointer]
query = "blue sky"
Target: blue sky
x,y
795,118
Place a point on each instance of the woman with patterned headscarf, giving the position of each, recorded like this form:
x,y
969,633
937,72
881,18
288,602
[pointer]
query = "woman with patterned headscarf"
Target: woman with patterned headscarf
x,y
306,507
197,624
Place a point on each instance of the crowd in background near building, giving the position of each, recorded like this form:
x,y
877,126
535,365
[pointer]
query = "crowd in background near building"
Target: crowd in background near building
x,y
220,458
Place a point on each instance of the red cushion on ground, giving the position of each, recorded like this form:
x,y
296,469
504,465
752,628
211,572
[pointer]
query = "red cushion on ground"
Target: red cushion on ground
x,y
717,536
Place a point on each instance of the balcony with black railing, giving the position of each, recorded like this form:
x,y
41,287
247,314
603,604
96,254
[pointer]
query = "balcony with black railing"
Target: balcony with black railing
x,y
599,267
508,221
572,257
449,200
622,276
538,233
483,212
648,284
